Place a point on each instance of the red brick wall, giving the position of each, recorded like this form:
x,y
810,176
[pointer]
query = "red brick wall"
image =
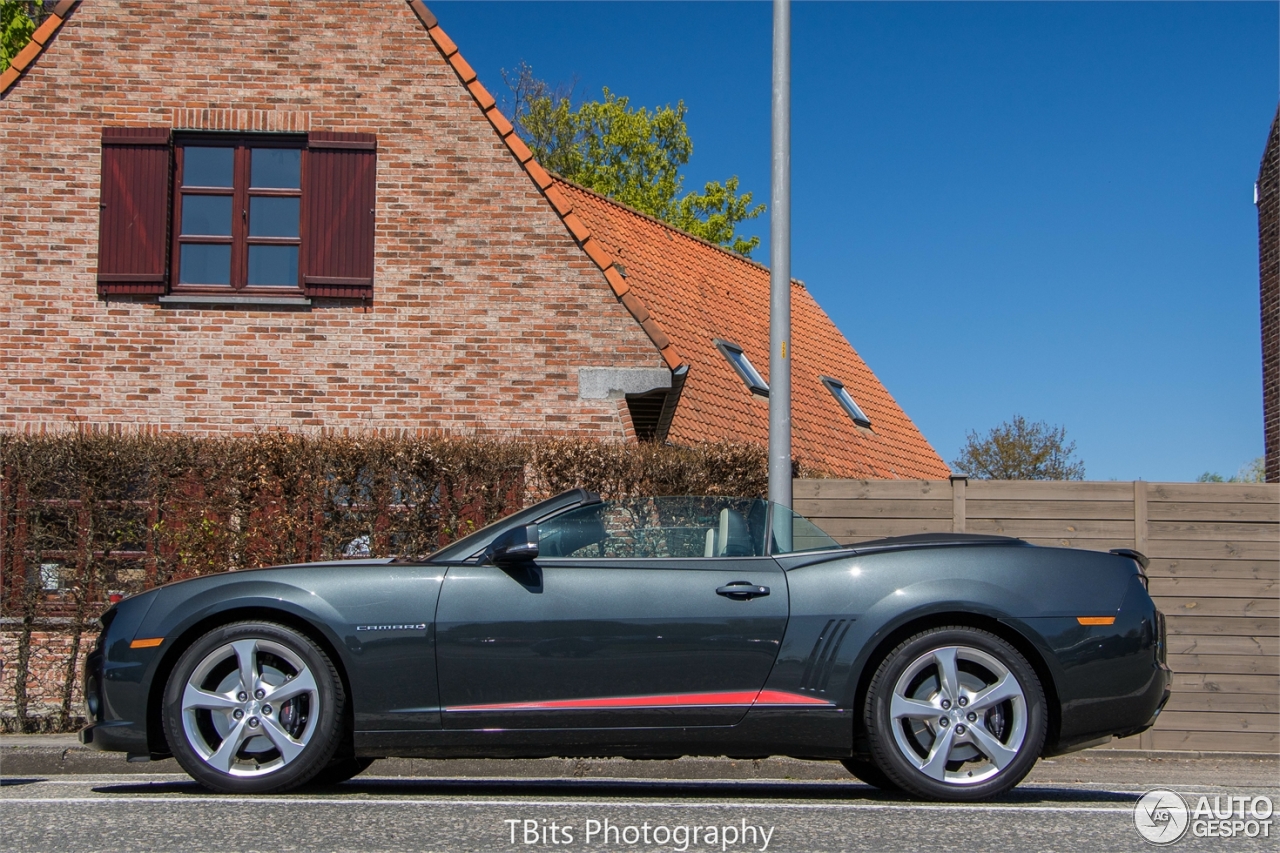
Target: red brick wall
x,y
484,306
1269,277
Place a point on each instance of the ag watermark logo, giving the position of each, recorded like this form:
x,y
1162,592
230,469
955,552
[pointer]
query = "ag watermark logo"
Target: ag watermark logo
x,y
1163,817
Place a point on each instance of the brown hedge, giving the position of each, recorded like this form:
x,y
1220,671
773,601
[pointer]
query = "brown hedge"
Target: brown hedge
x,y
99,513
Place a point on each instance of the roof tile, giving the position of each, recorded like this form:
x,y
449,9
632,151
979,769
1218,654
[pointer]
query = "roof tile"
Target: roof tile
x,y
446,45
464,69
481,94
597,253
499,121
424,14
518,148
46,30
576,227
24,57
616,281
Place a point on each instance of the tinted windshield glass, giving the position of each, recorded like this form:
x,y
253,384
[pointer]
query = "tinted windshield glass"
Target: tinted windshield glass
x,y
658,527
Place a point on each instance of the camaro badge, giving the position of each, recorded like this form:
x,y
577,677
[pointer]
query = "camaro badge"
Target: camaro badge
x,y
421,626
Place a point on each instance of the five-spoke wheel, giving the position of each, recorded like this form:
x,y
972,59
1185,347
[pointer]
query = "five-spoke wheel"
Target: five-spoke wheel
x,y
254,707
955,713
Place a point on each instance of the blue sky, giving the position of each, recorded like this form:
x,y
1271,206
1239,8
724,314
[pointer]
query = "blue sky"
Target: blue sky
x,y
1008,208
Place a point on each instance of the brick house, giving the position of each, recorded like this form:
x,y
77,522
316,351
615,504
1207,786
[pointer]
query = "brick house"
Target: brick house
x,y
1268,199
226,216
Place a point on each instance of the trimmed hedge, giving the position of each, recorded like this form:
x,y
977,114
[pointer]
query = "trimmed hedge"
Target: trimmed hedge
x,y
87,515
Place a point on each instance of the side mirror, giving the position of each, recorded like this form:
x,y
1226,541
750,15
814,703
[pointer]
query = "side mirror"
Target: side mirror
x,y
515,546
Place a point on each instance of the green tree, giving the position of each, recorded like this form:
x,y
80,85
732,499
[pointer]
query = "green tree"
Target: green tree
x,y
1018,450
629,154
16,27
1250,472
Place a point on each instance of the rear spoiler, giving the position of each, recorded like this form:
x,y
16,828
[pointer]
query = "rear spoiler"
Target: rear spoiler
x,y
1137,556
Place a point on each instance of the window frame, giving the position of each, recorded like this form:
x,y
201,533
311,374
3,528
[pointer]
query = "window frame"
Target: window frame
x,y
742,365
241,193
851,408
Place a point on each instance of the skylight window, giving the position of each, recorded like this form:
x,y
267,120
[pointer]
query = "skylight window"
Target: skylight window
x,y
742,364
837,389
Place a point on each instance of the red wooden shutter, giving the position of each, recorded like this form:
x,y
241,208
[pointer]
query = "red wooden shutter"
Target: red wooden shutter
x,y
133,232
338,197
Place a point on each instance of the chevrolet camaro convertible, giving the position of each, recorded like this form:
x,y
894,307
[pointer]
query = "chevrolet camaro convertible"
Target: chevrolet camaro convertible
x,y
939,665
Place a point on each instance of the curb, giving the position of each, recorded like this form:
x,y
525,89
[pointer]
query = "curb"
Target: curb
x,y
48,755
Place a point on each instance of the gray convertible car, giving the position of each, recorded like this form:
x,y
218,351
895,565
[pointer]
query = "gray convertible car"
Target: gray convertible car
x,y
940,665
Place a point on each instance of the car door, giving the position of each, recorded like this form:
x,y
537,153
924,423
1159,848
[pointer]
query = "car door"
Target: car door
x,y
613,625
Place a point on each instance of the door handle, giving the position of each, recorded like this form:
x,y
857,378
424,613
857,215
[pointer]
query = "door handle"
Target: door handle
x,y
742,590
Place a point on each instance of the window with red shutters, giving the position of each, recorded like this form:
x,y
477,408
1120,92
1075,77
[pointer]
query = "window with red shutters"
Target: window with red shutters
x,y
237,213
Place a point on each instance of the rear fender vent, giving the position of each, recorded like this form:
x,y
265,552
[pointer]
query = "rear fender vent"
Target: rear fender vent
x,y
822,660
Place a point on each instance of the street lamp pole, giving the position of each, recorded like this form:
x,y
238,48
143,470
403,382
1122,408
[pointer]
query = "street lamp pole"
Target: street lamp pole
x,y
780,263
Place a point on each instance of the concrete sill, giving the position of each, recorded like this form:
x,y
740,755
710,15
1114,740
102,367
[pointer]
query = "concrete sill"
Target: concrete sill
x,y
178,301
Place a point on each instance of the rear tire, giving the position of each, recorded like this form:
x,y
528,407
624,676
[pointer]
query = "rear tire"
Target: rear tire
x,y
955,713
254,708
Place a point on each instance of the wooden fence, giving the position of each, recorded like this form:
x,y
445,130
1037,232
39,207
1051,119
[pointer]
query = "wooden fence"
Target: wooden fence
x,y
1215,573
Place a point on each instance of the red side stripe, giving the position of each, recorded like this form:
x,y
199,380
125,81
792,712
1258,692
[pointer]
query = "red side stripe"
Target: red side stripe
x,y
672,700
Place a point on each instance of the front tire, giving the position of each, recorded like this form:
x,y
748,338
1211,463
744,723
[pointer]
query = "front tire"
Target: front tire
x,y
254,707
955,714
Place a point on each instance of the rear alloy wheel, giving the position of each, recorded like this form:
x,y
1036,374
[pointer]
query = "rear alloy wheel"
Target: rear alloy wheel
x,y
955,714
254,707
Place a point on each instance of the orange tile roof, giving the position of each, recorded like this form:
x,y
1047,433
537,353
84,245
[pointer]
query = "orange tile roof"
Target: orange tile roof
x,y
696,292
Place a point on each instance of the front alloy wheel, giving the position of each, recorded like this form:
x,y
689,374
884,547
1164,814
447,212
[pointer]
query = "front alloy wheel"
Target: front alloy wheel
x,y
957,714
253,707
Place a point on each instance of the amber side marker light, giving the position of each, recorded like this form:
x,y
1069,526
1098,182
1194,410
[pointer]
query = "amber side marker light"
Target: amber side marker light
x,y
1083,620
150,643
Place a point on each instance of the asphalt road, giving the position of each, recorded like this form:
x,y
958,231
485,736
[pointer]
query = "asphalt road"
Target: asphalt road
x,y
1074,803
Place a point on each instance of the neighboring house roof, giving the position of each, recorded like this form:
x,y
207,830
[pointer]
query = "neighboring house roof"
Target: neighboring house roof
x,y
698,292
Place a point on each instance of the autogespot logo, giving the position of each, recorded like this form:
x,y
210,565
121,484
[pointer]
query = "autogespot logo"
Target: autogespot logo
x,y
1161,816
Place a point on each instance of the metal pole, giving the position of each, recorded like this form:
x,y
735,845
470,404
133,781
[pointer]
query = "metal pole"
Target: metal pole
x,y
780,263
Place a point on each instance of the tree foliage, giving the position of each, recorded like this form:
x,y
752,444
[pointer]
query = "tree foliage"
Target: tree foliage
x,y
16,27
1019,450
1250,472
630,154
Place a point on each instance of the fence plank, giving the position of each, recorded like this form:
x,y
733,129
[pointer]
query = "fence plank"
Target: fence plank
x,y
850,530
1214,721
1268,607
1217,531
1264,742
1214,492
1207,511
1193,682
880,489
1226,664
1192,568
1042,509
1216,587
814,508
1051,528
1188,644
1011,490
1204,625
1248,703
1238,550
